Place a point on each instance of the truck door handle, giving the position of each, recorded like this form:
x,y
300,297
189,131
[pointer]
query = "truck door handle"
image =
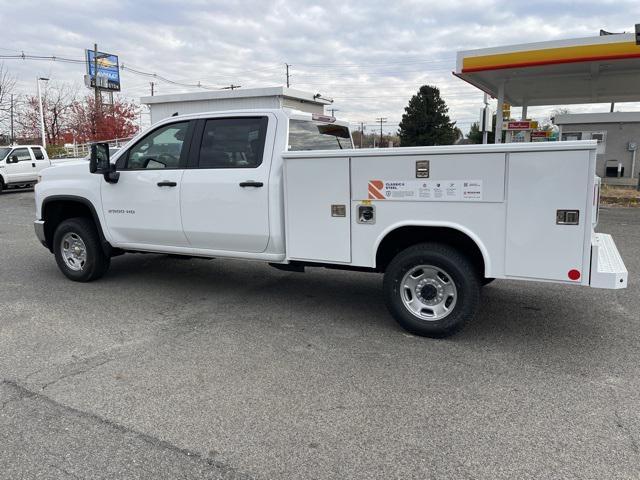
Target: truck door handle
x,y
251,183
33,165
167,183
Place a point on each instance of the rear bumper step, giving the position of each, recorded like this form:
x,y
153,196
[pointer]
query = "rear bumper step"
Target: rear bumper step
x,y
607,267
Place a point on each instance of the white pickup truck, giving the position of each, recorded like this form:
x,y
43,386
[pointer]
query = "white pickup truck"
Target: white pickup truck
x,y
288,188
20,165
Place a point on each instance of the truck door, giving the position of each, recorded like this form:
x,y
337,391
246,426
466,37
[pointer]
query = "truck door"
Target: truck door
x,y
41,160
143,207
225,196
20,167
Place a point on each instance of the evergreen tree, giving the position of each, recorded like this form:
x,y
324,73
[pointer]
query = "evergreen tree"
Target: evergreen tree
x,y
426,120
475,135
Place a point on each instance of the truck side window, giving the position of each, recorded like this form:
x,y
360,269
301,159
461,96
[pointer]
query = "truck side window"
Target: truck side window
x,y
22,154
233,142
160,149
37,152
309,135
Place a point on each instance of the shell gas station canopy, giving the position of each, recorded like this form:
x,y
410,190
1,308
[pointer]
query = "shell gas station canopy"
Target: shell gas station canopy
x,y
576,71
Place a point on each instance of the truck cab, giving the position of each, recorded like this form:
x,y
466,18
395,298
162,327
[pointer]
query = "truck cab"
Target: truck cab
x,y
205,184
21,164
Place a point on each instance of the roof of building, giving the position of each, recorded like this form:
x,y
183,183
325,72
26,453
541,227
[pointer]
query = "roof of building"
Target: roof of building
x,y
605,117
238,93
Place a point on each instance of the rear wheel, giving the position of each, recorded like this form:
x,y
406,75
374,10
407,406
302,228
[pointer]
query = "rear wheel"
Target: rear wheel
x,y
431,289
78,252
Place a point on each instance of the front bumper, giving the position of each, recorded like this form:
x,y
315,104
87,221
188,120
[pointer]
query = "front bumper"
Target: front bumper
x,y
38,225
607,267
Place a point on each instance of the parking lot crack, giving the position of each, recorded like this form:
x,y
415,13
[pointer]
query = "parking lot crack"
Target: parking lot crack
x,y
632,439
20,393
78,370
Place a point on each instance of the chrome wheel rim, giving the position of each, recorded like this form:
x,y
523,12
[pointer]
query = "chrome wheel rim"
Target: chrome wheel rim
x,y
74,251
428,292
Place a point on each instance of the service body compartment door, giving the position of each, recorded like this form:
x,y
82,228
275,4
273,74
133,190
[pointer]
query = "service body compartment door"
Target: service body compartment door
x,y
318,217
540,184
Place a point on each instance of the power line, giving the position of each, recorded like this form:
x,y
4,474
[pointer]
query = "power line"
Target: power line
x,y
123,67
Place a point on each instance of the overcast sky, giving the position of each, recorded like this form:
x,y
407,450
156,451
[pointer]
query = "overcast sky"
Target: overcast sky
x,y
370,56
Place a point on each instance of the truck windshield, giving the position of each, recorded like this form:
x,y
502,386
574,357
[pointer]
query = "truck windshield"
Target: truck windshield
x,y
309,135
3,152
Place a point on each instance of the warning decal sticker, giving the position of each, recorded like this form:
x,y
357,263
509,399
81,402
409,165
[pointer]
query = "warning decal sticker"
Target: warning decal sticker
x,y
426,190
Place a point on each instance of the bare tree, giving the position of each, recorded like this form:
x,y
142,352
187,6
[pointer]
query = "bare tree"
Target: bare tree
x,y
7,89
57,104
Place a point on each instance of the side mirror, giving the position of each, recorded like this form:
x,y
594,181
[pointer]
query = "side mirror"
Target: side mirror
x,y
99,160
13,159
99,163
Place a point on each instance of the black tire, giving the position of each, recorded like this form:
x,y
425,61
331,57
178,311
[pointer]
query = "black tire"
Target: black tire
x,y
486,281
96,263
456,268
2,186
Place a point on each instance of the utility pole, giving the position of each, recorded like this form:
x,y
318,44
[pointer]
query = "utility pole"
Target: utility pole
x,y
333,111
11,109
287,67
231,87
42,129
152,85
381,120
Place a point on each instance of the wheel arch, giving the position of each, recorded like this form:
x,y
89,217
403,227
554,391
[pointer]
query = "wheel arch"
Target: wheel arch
x,y
402,235
58,208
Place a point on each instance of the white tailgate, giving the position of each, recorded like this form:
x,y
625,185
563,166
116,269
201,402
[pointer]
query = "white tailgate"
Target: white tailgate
x,y
539,184
312,186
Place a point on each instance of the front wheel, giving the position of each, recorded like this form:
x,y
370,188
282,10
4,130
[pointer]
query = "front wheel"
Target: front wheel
x,y
78,251
431,289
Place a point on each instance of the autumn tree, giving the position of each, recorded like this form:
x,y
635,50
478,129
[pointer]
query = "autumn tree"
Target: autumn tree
x,y
107,122
426,120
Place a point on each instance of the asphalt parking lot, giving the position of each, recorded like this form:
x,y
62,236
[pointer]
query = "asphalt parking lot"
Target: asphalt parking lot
x,y
173,368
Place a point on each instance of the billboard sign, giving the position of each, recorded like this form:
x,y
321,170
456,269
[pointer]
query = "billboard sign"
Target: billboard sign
x,y
108,71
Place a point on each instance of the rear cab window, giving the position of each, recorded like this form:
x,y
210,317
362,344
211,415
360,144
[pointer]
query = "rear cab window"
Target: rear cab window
x,y
315,135
236,142
37,152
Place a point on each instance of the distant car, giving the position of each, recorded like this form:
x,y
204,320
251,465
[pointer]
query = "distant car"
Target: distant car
x,y
21,164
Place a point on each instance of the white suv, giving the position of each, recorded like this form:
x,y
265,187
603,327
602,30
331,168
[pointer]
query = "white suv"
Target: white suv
x,y
21,164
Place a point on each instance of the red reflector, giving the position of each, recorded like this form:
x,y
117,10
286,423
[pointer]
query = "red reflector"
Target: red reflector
x,y
574,274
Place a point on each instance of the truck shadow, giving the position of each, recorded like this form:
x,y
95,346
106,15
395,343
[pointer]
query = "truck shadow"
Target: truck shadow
x,y
531,319
15,190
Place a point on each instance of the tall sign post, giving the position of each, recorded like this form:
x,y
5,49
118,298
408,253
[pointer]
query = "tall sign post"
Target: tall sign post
x,y
96,100
103,74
